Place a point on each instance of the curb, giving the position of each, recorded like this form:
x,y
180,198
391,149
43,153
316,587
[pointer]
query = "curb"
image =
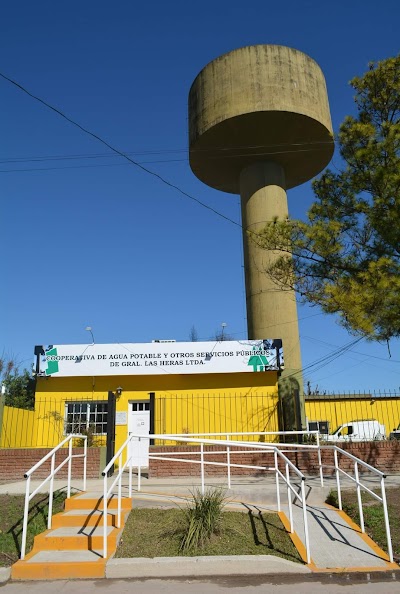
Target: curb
x,y
5,574
167,567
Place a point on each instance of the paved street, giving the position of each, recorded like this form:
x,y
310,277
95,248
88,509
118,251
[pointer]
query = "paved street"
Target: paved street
x,y
331,584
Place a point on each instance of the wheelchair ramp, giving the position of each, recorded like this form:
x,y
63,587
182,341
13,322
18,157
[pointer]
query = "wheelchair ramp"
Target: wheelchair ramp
x,y
336,542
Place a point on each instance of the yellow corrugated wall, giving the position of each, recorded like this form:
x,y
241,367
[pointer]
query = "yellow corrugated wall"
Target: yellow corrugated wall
x,y
343,410
18,430
183,404
187,403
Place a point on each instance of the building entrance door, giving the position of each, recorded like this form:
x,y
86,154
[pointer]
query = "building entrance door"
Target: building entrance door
x,y
139,424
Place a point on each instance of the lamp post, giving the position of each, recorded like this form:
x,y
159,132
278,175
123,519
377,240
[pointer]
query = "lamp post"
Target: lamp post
x,y
89,329
223,325
111,414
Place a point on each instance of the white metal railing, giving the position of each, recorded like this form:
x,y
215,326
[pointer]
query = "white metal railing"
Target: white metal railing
x,y
289,446
245,447
50,477
108,490
278,450
360,486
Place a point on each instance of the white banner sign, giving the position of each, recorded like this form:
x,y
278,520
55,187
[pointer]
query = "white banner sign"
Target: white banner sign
x,y
71,360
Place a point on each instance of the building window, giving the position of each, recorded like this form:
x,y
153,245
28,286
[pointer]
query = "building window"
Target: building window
x,y
80,417
140,406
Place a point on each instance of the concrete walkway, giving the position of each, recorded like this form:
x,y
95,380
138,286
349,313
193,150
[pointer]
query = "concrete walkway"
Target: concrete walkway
x,y
334,543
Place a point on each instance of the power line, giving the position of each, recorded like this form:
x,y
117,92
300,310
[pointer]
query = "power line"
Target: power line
x,y
327,359
160,152
125,155
84,166
102,156
355,365
117,151
185,160
356,352
332,357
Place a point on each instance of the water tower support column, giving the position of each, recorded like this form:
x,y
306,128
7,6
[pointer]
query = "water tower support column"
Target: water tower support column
x,y
270,310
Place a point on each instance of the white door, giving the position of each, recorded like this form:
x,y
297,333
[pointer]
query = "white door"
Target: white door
x,y
139,424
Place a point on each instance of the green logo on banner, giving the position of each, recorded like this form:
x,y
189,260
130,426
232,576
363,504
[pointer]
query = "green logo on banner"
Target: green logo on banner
x,y
258,361
52,364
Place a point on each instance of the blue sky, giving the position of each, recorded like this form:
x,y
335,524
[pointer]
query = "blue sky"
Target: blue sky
x,y
88,239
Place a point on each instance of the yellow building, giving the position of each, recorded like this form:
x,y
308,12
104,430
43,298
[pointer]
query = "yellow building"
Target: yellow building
x,y
160,387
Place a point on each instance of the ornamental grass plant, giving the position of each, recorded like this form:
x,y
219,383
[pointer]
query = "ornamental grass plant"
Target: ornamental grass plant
x,y
202,518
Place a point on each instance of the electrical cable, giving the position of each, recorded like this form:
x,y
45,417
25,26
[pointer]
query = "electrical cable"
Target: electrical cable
x,y
117,151
356,352
323,361
156,152
84,166
125,155
327,359
185,160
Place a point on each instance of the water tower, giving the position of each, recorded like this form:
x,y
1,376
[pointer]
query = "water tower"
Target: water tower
x,y
259,124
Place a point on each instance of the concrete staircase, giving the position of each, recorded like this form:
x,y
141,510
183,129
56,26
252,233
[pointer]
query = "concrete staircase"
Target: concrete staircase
x,y
73,547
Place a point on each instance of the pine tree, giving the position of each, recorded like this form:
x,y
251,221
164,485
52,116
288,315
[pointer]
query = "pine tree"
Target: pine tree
x,y
346,257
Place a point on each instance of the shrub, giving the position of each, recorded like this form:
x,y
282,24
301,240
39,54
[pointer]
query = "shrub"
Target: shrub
x,y
202,518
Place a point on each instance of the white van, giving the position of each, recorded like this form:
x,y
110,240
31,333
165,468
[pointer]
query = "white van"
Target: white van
x,y
395,434
365,430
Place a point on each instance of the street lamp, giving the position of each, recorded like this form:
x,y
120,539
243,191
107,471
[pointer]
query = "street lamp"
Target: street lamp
x,y
111,418
89,329
223,325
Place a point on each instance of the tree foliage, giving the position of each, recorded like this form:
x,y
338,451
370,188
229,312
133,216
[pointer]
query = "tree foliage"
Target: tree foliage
x,y
193,335
346,257
221,336
19,385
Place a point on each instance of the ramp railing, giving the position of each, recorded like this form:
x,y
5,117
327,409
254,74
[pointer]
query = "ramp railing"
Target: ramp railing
x,y
282,467
123,453
283,446
50,479
360,486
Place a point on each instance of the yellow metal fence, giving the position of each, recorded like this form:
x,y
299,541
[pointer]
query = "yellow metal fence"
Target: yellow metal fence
x,y
203,413
45,426
216,413
338,409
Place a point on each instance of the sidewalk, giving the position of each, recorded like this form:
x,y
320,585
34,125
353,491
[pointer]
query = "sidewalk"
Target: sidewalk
x,y
257,490
334,544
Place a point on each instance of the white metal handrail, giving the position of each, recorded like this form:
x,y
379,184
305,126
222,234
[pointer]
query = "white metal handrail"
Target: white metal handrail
x,y
247,446
50,477
107,490
360,486
289,446
251,447
242,433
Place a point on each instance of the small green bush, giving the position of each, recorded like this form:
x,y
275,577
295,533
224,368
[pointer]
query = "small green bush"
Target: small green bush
x,y
202,518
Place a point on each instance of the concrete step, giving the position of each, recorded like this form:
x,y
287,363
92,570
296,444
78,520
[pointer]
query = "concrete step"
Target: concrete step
x,y
86,517
94,501
73,548
74,538
51,565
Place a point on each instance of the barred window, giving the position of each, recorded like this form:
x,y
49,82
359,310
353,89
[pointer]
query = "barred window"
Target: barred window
x,y
82,416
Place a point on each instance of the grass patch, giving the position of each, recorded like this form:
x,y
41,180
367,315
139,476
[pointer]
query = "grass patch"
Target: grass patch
x,y
159,533
11,519
373,515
